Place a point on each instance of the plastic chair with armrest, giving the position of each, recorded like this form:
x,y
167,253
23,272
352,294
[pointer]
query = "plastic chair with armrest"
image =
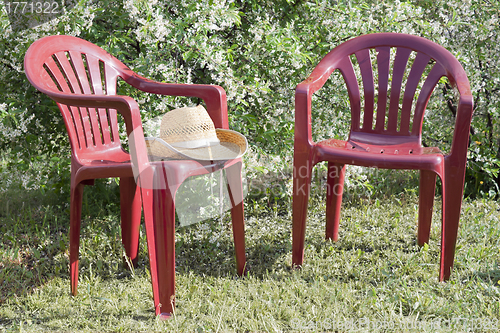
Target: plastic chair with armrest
x,y
81,78
385,135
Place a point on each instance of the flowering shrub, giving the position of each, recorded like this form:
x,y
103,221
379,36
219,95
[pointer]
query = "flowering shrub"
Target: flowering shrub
x,y
258,51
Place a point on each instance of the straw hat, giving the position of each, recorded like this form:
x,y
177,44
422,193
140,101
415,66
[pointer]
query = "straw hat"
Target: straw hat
x,y
189,133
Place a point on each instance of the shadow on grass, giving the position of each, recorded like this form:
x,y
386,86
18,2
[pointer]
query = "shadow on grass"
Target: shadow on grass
x,y
402,245
488,276
261,259
34,241
32,245
39,234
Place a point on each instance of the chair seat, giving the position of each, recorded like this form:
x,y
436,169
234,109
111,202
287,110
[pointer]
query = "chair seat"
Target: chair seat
x,y
113,163
112,156
397,156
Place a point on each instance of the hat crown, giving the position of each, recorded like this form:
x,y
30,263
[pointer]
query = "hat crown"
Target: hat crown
x,y
189,133
187,124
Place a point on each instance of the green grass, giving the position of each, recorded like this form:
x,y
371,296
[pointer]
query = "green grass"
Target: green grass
x,y
374,272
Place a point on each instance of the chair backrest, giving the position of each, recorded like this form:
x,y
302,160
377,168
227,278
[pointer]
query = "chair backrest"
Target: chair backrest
x,y
387,113
66,64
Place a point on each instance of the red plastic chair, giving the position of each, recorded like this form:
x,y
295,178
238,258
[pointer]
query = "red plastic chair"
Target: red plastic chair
x,y
81,77
389,137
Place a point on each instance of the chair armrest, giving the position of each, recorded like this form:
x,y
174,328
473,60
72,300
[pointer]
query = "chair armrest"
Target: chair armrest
x,y
305,90
463,120
213,96
125,105
303,134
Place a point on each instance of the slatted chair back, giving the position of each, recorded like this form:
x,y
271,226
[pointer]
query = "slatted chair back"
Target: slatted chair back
x,y
81,68
390,78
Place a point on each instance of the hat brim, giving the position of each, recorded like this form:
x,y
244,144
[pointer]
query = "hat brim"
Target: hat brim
x,y
232,145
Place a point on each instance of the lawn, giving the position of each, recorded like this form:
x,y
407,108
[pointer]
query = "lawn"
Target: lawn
x,y
374,278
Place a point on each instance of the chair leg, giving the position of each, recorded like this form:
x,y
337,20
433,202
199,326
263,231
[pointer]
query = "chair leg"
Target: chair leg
x,y
334,192
76,196
453,187
427,190
130,205
145,184
235,189
302,168
164,230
